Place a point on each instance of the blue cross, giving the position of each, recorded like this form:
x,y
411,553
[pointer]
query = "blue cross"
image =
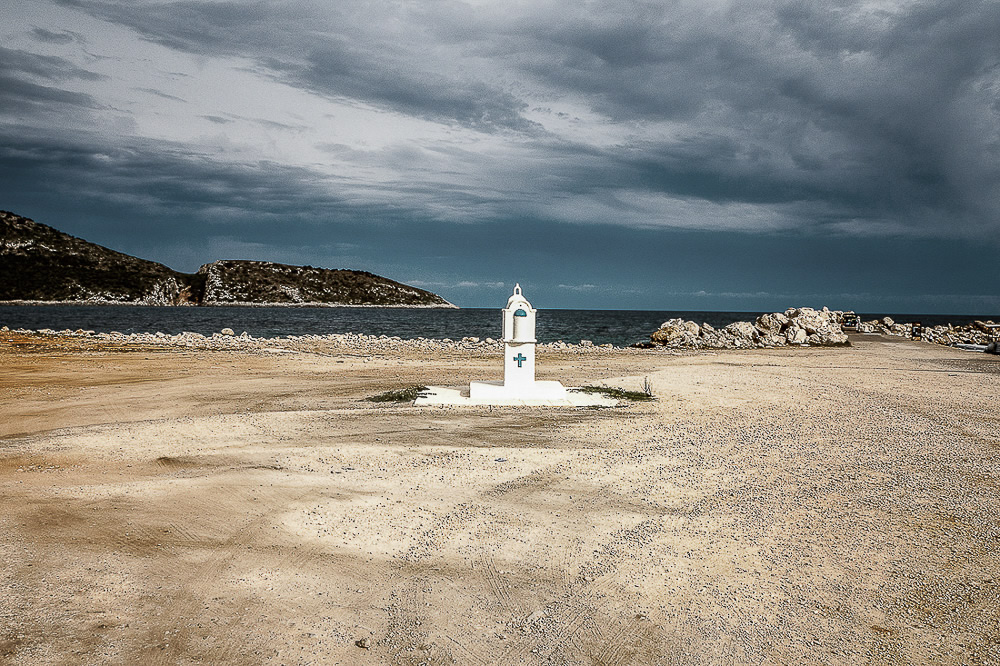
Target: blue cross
x,y
520,358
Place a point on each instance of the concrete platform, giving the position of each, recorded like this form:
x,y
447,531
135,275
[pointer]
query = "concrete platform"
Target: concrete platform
x,y
439,395
534,390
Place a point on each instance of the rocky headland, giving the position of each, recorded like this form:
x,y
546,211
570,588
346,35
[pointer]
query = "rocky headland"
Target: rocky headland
x,y
39,264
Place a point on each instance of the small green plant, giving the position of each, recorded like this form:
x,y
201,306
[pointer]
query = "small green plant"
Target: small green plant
x,y
408,394
620,394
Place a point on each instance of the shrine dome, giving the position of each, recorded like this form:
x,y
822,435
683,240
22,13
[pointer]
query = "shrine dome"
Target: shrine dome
x,y
518,319
517,299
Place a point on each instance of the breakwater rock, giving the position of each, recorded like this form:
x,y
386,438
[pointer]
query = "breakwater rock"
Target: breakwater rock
x,y
974,333
795,326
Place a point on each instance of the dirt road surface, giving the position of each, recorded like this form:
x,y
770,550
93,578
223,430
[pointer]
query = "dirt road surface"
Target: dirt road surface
x,y
183,506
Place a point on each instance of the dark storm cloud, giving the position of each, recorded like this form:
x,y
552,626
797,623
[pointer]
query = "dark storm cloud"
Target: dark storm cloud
x,y
867,115
26,83
886,114
19,96
857,117
156,175
630,61
165,179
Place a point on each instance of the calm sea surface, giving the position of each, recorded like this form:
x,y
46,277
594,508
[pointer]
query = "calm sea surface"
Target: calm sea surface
x,y
619,327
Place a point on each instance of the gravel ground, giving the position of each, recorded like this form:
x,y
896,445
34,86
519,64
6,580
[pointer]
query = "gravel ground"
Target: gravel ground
x,y
237,501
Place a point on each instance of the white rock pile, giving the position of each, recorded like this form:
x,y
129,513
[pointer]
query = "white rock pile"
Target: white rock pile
x,y
802,327
976,333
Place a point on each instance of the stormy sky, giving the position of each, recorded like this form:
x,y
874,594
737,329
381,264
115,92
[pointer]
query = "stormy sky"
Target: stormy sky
x,y
700,155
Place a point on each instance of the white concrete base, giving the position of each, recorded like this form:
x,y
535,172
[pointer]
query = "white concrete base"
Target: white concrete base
x,y
551,394
517,390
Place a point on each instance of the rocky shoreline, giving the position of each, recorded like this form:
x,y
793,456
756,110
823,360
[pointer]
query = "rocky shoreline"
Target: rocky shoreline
x,y
795,327
975,333
807,327
227,339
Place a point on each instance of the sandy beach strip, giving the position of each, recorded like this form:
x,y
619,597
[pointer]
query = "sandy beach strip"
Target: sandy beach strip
x,y
242,503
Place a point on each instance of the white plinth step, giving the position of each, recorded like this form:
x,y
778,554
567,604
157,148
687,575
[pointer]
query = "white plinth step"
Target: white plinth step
x,y
550,394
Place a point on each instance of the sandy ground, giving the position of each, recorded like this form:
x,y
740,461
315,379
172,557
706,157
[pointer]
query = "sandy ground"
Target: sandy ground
x,y
171,506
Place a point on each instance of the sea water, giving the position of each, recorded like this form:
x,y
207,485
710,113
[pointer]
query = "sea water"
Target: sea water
x,y
617,327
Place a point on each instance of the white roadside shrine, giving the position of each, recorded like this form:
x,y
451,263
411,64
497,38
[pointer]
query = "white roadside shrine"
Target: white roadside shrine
x,y
519,386
518,359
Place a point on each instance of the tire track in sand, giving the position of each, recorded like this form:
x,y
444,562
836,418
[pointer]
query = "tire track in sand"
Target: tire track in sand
x,y
196,580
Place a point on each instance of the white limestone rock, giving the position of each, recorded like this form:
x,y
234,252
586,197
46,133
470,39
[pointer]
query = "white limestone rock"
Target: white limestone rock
x,y
796,335
677,333
743,331
771,323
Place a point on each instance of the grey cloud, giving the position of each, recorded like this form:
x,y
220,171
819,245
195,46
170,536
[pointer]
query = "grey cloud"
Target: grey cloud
x,y
25,84
264,122
160,93
816,104
159,175
337,54
197,27
20,63
19,96
424,93
163,178
55,37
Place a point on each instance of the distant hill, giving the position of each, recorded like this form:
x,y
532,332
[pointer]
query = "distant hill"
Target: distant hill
x,y
39,263
231,281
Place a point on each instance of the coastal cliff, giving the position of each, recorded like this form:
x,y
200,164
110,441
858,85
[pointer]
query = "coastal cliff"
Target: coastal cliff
x,y
42,264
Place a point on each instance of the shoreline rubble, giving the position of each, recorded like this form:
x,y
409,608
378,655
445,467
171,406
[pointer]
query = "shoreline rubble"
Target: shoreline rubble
x,y
974,333
807,327
227,339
